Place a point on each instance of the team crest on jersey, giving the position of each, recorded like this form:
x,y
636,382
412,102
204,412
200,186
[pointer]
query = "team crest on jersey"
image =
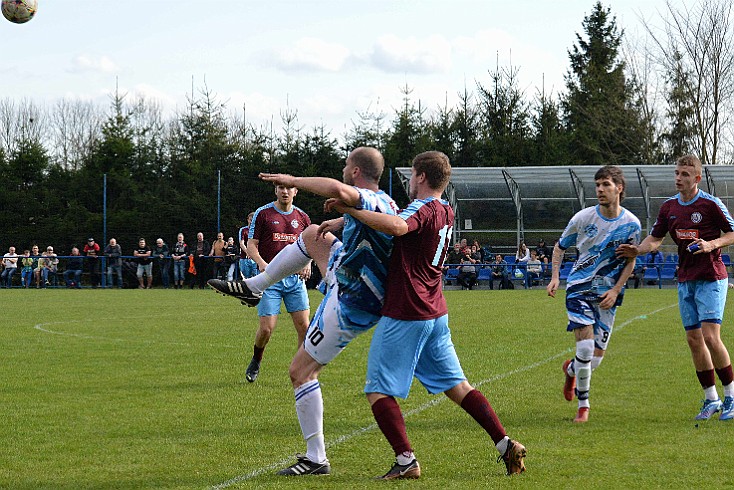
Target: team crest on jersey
x,y
591,230
294,223
696,217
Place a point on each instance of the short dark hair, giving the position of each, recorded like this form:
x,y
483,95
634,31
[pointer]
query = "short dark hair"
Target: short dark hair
x,y
615,174
435,166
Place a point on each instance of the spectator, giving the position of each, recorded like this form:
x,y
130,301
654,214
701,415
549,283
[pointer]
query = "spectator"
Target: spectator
x,y
74,268
475,254
487,255
500,273
467,272
230,258
218,251
199,252
113,251
248,267
535,269
145,264
543,252
47,266
523,254
35,255
10,265
91,250
163,256
26,273
180,255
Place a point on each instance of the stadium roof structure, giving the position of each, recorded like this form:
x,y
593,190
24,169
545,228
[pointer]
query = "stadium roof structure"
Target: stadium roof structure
x,y
506,204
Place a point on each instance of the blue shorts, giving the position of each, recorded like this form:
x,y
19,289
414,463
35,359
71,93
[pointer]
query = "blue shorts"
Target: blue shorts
x,y
248,268
583,312
701,301
402,349
291,290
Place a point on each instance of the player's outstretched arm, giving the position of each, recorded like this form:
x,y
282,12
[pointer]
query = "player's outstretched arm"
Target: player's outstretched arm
x,y
386,223
323,186
629,251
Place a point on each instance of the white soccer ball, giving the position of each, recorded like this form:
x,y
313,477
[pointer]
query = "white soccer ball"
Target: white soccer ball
x,y
19,11
519,274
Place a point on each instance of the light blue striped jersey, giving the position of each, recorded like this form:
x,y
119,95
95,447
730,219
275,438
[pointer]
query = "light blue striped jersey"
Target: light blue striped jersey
x,y
364,256
596,238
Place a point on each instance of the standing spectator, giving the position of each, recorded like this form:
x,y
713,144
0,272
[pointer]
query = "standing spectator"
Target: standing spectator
x,y
180,255
199,251
91,250
231,258
113,252
248,267
74,268
145,263
500,273
218,251
26,273
694,218
594,291
163,257
10,265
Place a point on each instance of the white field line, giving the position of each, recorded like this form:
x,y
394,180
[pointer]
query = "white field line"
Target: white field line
x,y
434,401
42,328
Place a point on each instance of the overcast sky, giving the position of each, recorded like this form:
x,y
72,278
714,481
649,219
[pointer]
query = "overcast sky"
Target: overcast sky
x,y
327,59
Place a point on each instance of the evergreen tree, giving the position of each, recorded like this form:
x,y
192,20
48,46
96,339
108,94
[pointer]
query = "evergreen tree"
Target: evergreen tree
x,y
599,112
680,134
549,137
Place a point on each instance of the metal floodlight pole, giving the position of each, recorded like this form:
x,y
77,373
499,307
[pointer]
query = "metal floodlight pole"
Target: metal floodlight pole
x,y
219,198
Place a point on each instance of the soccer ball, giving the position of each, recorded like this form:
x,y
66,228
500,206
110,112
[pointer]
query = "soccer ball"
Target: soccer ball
x,y
19,11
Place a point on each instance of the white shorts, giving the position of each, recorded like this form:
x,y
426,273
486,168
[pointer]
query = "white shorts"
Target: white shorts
x,y
334,324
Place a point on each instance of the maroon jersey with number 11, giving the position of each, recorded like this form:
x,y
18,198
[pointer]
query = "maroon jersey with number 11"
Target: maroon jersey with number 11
x,y
414,279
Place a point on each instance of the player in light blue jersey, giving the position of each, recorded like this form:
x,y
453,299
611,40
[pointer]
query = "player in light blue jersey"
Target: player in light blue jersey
x,y
595,286
354,271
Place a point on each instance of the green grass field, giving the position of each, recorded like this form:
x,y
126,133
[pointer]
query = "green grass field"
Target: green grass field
x,y
145,389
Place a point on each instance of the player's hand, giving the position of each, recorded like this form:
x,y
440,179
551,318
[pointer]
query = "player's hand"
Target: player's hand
x,y
627,251
608,299
334,205
552,287
704,247
305,274
329,226
279,179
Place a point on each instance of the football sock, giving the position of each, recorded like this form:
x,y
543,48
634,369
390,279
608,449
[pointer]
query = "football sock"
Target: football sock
x,y
390,420
257,353
584,353
710,393
707,379
310,411
502,445
290,260
405,458
595,361
477,405
726,375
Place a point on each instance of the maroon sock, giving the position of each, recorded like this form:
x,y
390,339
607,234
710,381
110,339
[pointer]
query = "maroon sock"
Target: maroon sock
x,y
725,375
706,378
477,405
257,353
390,421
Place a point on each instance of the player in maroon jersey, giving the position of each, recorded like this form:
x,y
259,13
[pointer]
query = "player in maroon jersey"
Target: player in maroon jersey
x,y
695,221
413,338
273,227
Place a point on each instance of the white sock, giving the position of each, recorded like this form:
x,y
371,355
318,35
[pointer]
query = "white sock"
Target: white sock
x,y
310,411
710,393
290,260
502,445
584,354
405,458
595,361
729,389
